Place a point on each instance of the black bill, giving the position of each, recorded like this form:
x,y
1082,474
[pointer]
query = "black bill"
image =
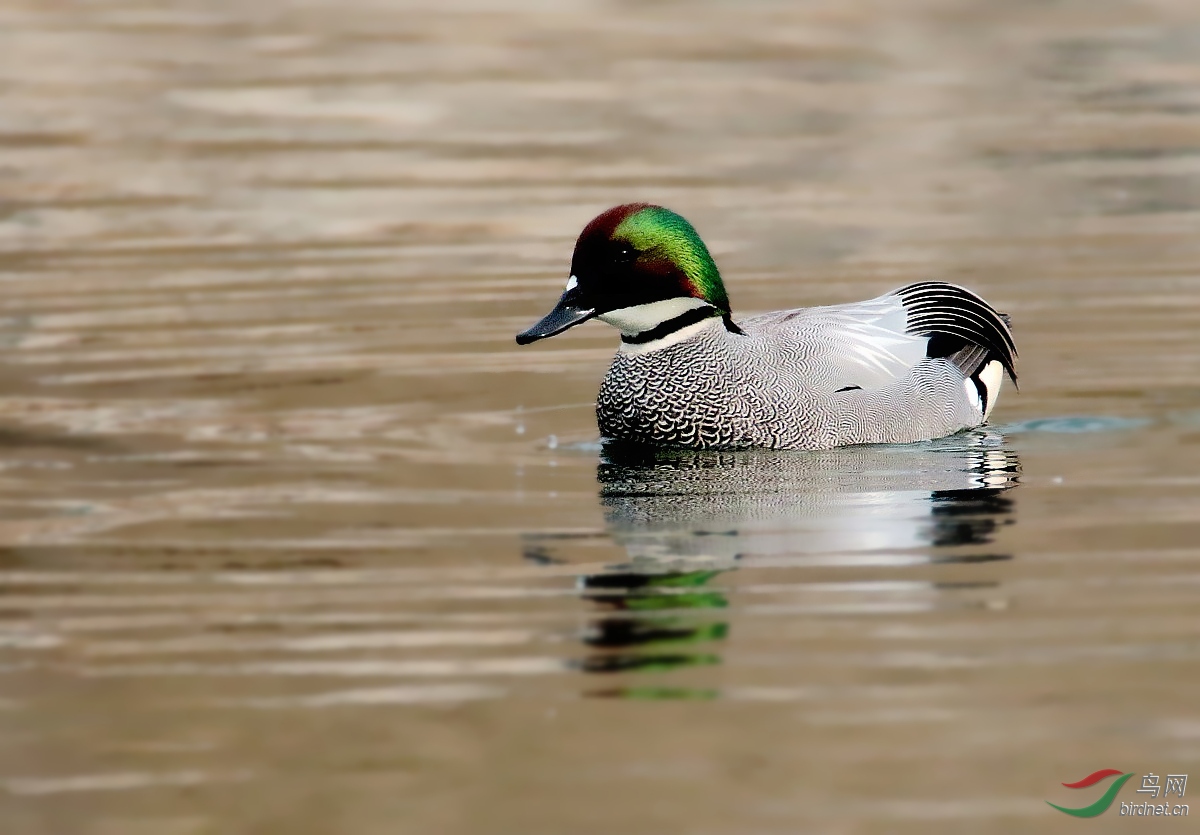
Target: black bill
x,y
567,313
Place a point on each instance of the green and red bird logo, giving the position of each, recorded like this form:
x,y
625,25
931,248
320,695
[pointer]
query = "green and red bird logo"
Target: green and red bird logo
x,y
1106,800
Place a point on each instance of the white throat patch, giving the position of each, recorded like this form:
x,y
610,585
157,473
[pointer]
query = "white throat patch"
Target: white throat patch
x,y
631,321
674,338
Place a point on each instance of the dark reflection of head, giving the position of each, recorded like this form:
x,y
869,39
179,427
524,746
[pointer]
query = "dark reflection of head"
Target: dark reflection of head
x,y
686,518
967,517
649,620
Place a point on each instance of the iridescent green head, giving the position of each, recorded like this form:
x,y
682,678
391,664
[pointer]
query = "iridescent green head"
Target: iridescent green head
x,y
639,267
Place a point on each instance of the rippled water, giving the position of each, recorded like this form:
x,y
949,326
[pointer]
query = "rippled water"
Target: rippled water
x,y
295,539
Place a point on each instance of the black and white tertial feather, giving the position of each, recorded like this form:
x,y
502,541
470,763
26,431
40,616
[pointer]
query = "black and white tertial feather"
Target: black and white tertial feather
x,y
955,319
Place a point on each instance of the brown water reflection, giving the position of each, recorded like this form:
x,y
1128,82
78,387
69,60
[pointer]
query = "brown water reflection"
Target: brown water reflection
x,y
685,519
294,539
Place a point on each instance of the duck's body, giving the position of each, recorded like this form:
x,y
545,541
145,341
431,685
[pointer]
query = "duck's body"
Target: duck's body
x,y
812,378
920,363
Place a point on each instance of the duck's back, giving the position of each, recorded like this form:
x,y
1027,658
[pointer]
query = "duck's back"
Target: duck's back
x,y
919,363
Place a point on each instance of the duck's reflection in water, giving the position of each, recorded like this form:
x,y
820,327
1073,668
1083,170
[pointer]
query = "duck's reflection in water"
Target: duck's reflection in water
x,y
686,518
652,620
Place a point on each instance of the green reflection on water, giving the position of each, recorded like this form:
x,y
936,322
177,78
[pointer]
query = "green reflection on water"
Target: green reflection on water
x,y
628,641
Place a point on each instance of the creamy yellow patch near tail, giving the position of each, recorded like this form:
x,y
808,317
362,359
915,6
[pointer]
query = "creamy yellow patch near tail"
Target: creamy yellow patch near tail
x,y
991,376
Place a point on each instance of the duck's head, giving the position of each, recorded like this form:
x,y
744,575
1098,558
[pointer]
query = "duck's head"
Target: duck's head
x,y
643,270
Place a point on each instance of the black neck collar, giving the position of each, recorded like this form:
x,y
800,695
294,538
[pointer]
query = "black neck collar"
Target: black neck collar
x,y
690,317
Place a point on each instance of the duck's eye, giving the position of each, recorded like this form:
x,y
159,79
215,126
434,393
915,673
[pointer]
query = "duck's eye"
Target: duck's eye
x,y
625,255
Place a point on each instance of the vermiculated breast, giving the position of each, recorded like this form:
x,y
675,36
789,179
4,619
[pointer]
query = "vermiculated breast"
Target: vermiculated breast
x,y
683,395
